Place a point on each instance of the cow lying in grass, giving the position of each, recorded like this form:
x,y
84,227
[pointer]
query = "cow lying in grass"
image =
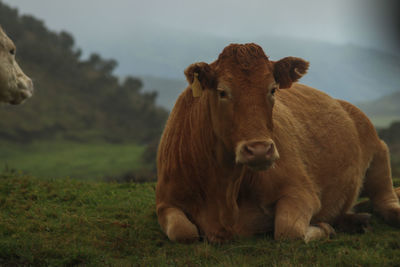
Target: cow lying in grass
x,y
247,150
15,86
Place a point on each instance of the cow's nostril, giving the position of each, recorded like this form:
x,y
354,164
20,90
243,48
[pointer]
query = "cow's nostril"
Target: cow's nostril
x,y
270,150
248,150
21,85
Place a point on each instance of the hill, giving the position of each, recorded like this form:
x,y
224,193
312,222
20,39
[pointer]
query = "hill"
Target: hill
x,y
345,71
75,99
66,222
383,110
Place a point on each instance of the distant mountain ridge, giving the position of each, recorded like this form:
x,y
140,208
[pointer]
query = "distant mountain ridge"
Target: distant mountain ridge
x,y
383,111
388,105
356,74
350,72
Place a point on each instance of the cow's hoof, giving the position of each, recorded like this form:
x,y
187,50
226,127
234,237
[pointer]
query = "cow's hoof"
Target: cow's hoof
x,y
354,223
319,231
182,231
330,232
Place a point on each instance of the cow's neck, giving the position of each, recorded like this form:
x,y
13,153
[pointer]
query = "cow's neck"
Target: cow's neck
x,y
227,185
229,215
214,171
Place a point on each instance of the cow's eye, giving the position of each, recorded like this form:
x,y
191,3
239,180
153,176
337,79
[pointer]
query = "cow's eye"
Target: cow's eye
x,y
273,91
222,94
12,51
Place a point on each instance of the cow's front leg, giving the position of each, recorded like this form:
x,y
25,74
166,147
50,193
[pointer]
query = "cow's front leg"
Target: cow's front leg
x,y
176,225
293,214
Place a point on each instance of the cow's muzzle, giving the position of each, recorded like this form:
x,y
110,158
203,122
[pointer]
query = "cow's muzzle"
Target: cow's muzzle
x,y
24,91
258,155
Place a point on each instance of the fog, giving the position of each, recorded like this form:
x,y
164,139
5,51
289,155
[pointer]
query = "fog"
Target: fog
x,y
363,22
352,45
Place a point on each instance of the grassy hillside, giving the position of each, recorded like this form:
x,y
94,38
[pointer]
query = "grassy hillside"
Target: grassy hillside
x,y
75,98
83,120
66,222
60,159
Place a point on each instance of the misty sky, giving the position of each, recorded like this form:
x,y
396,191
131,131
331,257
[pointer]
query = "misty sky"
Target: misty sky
x,y
338,21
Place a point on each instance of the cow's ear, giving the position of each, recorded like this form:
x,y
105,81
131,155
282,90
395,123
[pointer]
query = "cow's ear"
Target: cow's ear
x,y
289,70
201,76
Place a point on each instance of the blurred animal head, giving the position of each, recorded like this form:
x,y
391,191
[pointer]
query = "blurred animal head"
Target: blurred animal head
x,y
15,86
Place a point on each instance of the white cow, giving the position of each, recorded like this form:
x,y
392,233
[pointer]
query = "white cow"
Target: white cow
x,y
15,86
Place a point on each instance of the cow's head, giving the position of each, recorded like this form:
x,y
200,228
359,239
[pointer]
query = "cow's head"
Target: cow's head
x,y
240,87
15,86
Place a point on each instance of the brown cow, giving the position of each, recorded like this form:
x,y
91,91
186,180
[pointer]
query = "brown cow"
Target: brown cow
x,y
247,150
15,86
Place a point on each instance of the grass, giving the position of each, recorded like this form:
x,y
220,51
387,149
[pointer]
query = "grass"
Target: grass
x,y
65,222
55,159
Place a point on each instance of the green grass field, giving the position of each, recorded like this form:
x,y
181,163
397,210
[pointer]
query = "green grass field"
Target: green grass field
x,y
55,159
65,222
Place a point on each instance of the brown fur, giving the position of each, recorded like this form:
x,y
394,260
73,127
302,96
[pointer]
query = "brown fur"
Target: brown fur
x,y
326,149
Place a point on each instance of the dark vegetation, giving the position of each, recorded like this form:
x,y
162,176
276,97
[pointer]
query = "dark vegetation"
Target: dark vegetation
x,y
75,99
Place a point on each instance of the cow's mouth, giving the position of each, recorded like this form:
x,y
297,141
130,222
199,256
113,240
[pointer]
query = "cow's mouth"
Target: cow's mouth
x,y
20,96
260,166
